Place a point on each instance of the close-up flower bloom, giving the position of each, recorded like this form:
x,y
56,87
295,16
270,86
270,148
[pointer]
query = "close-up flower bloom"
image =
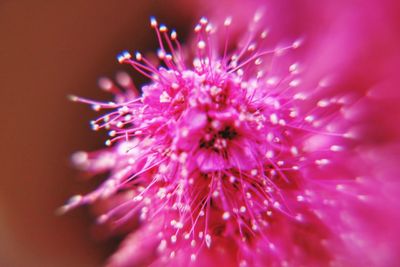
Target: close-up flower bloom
x,y
235,133
235,152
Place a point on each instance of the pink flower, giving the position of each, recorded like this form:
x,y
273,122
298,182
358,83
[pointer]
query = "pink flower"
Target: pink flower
x,y
233,155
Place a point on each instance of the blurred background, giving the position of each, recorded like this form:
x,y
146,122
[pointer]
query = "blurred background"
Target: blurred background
x,y
50,49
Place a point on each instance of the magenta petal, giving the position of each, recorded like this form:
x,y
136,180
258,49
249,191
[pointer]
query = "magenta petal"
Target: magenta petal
x,y
209,161
242,156
190,130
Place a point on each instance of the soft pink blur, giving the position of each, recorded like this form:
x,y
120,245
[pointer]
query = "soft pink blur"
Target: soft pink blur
x,y
356,43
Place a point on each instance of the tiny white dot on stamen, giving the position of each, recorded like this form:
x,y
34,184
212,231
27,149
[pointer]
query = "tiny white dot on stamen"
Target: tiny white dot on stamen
x,y
228,21
336,148
197,28
294,83
80,157
272,81
96,107
257,16
251,47
321,162
201,44
264,34
215,194
175,86
161,54
203,20
294,151
294,68
73,98
208,240
309,118
339,187
153,22
269,154
201,234
137,198
297,43
162,246
300,198
300,96
185,132
174,35
226,215
273,118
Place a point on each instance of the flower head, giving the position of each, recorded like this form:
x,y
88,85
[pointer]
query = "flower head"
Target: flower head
x,y
228,152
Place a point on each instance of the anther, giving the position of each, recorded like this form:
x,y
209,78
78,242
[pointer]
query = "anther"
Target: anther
x,y
153,22
163,28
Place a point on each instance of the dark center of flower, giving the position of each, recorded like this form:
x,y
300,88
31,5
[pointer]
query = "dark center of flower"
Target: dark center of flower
x,y
217,140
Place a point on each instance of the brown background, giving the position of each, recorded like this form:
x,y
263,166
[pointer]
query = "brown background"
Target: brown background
x,y
49,49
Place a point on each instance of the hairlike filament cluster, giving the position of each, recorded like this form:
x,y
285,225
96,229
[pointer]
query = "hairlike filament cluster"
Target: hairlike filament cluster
x,y
217,146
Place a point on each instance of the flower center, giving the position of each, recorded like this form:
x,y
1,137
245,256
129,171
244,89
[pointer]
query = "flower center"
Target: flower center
x,y
218,140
